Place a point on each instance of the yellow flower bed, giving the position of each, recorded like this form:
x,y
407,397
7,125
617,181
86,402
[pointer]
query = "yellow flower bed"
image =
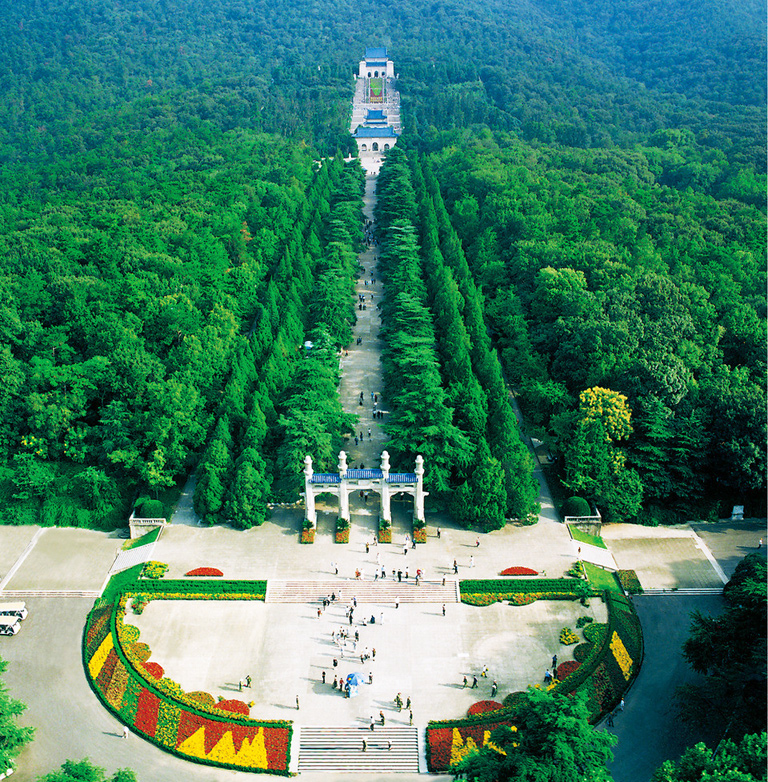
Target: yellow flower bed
x,y
621,655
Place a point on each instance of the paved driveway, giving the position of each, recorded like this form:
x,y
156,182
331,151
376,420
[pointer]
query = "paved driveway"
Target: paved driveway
x,y
649,732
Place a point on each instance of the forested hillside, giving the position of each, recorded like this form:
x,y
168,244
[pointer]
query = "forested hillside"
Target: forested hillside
x,y
169,239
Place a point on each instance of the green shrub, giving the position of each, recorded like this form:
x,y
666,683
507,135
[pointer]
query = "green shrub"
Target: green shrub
x,y
583,620
595,632
576,506
151,509
568,637
581,652
153,569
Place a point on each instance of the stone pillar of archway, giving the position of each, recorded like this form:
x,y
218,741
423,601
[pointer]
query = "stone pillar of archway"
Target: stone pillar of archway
x,y
310,514
386,512
343,493
419,494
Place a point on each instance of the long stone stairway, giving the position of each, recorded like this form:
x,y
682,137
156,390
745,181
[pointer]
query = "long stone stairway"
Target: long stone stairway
x,y
382,592
338,749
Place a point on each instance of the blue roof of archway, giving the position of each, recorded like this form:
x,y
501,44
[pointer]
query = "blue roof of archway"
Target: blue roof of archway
x,y
376,53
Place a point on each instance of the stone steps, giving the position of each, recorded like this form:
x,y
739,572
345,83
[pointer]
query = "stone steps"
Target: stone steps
x,y
379,592
339,749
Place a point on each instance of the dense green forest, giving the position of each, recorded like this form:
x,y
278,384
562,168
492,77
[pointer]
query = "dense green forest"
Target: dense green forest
x,y
590,174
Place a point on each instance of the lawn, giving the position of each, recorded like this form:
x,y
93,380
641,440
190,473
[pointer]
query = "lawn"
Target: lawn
x,y
599,578
585,537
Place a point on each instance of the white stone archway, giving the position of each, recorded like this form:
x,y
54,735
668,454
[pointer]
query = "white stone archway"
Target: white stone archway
x,y
346,481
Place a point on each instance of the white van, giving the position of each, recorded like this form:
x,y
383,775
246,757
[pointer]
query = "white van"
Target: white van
x,y
9,625
14,609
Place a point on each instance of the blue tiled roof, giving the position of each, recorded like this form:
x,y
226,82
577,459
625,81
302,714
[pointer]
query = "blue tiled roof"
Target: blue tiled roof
x,y
402,477
376,114
357,475
375,64
376,53
375,133
325,477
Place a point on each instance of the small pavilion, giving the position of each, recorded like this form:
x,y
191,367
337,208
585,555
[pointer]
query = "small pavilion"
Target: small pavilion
x,y
383,481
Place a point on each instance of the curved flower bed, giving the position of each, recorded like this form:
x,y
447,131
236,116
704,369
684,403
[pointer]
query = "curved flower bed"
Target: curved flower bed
x,y
481,707
606,665
204,571
566,669
189,725
519,571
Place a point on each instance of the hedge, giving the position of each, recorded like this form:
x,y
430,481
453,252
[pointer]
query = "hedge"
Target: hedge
x,y
200,586
161,712
511,586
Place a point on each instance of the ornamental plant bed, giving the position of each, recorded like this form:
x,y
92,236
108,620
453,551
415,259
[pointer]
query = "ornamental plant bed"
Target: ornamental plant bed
x,y
219,589
481,707
204,571
185,724
420,535
504,586
307,535
630,582
519,571
385,535
342,536
564,670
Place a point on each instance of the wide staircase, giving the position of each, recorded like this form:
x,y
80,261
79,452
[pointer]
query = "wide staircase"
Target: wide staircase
x,y
338,749
383,591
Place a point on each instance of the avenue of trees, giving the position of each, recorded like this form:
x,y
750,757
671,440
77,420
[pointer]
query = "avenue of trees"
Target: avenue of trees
x,y
447,396
629,314
581,186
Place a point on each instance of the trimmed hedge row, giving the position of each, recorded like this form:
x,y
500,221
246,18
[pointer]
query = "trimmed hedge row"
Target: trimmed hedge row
x,y
511,586
221,587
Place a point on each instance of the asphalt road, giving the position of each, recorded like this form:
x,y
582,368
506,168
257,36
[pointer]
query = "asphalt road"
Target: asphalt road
x,y
648,730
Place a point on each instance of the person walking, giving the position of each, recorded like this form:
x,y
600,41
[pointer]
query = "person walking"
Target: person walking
x,y
410,717
381,719
494,687
125,731
547,676
464,686
474,683
554,661
365,745
323,677
397,602
471,562
477,542
297,703
438,533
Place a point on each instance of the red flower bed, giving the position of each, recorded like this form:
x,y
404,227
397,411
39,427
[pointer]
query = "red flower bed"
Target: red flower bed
x,y
519,571
204,571
234,706
440,740
155,670
566,669
420,535
385,535
342,536
146,713
482,706
307,535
